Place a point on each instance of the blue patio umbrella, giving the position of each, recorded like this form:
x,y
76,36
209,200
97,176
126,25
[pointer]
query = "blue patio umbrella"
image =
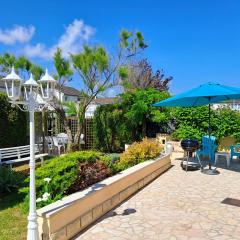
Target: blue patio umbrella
x,y
207,93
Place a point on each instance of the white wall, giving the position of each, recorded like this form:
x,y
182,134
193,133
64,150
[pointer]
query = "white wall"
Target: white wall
x,y
65,98
70,98
90,110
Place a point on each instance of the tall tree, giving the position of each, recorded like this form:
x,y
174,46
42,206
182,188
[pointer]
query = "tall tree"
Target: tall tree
x,y
22,65
36,70
64,74
141,76
98,71
6,62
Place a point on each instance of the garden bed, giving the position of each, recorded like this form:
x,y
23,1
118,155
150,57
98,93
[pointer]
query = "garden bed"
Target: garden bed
x,y
70,215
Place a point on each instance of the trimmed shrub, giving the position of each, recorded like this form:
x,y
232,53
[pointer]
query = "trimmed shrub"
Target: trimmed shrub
x,y
63,171
139,152
110,160
10,180
88,174
73,172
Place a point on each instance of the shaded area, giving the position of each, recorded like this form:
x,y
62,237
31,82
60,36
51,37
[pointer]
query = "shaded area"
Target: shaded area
x,y
125,212
231,201
10,200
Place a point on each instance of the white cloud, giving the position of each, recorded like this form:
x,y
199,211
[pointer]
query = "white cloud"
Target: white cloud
x,y
71,41
16,34
38,50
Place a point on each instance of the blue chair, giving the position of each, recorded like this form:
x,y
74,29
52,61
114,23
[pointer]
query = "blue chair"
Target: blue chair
x,y
234,152
207,148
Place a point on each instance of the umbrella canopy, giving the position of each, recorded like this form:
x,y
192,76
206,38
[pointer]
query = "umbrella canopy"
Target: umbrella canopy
x,y
207,93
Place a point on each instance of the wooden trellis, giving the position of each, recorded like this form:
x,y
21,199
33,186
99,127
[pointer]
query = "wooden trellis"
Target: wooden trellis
x,y
89,133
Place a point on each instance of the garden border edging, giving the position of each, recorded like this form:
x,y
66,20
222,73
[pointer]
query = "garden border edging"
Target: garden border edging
x,y
69,216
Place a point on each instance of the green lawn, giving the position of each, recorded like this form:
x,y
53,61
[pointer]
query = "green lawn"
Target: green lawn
x,y
13,218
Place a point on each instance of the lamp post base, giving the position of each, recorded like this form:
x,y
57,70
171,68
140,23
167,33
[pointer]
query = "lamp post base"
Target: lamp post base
x,y
210,171
32,233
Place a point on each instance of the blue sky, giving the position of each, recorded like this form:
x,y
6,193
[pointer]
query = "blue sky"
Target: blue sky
x,y
193,41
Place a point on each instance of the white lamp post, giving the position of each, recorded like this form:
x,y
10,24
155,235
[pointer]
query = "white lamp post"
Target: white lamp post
x,y
14,85
48,84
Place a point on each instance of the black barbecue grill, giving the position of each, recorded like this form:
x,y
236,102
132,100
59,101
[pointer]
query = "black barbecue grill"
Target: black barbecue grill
x,y
190,146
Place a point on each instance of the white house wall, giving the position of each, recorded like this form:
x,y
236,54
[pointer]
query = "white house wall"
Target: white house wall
x,y
70,98
90,110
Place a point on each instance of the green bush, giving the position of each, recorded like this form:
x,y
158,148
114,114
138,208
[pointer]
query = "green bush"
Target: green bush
x,y
139,152
185,131
110,160
13,124
126,121
114,157
193,123
63,173
111,130
10,181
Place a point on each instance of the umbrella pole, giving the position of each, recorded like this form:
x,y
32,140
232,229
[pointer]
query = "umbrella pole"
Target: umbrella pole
x,y
209,171
209,133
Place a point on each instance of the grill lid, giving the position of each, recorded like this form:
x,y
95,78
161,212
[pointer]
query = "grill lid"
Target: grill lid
x,y
189,145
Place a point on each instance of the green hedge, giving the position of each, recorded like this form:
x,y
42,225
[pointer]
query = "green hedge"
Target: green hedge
x,y
126,121
10,180
63,173
111,129
67,173
193,123
13,124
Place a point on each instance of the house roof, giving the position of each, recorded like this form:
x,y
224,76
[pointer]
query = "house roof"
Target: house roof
x,y
70,91
103,101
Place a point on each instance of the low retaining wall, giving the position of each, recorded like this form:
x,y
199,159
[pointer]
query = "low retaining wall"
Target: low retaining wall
x,y
67,217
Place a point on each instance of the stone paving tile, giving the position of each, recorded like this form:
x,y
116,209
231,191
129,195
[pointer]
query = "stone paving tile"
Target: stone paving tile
x,y
177,205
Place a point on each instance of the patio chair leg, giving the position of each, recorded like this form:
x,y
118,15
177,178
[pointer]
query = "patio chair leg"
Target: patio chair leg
x,y
42,162
199,161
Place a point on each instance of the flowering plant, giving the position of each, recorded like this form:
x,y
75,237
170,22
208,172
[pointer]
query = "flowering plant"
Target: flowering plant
x,y
46,196
47,180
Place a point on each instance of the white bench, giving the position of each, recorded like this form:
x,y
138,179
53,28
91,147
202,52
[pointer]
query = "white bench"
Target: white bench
x,y
14,155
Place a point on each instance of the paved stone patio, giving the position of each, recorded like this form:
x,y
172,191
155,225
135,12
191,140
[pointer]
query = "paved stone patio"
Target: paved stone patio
x,y
177,205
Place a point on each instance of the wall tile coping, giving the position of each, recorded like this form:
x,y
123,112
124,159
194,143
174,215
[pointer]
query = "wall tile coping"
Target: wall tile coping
x,y
53,208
